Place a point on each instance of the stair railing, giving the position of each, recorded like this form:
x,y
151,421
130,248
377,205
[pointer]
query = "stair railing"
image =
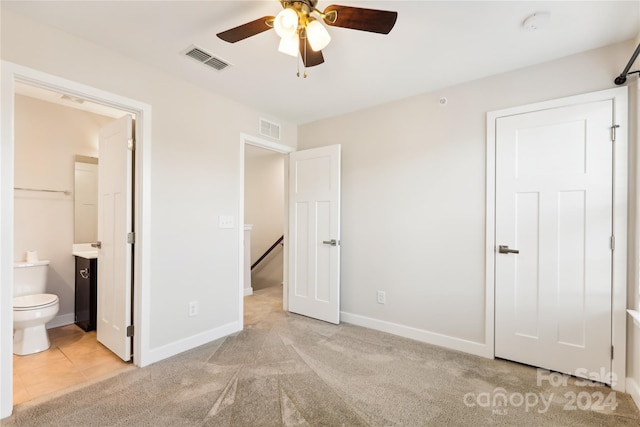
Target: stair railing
x,y
264,255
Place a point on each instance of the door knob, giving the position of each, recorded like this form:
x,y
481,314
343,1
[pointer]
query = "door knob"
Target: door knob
x,y
97,245
504,249
332,242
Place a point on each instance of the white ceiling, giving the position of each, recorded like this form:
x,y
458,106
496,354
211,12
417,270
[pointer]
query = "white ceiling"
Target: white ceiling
x,y
433,45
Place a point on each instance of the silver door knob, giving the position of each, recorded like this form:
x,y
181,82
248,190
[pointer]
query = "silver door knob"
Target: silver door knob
x,y
332,242
504,249
97,245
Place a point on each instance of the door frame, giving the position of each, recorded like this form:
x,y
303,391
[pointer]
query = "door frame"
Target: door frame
x,y
276,148
619,96
10,74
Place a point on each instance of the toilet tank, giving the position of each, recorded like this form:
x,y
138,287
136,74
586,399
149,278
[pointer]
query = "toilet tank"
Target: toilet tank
x,y
29,278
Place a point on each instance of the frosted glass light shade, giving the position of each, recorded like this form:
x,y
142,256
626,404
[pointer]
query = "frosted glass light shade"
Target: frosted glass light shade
x,y
286,23
318,35
289,45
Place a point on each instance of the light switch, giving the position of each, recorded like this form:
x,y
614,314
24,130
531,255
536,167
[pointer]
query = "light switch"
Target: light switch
x,y
226,221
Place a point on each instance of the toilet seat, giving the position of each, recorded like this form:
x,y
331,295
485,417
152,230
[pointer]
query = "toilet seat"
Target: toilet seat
x,y
34,302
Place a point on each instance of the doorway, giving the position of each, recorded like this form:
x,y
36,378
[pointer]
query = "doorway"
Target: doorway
x,y
56,164
270,156
264,215
12,74
556,187
311,282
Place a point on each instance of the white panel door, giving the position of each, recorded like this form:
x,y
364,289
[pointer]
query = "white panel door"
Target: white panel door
x,y
314,233
114,222
554,205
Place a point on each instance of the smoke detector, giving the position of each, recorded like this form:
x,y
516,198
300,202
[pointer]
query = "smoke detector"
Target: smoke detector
x,y
537,21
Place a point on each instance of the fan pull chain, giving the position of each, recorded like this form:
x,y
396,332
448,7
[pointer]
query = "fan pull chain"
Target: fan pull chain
x,y
304,62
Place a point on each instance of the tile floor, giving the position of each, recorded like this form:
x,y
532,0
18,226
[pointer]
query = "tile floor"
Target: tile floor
x,y
74,358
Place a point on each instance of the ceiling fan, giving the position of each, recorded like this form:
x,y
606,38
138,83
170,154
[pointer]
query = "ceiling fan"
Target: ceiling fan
x,y
298,25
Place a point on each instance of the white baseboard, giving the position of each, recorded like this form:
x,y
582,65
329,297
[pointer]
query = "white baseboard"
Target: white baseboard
x,y
633,388
62,320
248,291
478,349
161,353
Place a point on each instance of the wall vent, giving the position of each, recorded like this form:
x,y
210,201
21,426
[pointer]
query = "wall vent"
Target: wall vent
x,y
206,58
270,129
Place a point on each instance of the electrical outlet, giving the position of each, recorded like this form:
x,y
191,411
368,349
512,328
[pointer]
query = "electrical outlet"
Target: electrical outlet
x,y
193,308
382,297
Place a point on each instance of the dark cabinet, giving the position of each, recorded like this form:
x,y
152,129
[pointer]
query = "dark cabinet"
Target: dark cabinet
x,y
86,292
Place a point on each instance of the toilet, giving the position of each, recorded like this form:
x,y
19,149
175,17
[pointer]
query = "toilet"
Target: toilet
x,y
32,308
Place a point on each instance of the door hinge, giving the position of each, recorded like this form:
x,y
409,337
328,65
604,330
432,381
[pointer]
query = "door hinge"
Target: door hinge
x,y
613,132
130,331
131,238
611,352
131,144
612,241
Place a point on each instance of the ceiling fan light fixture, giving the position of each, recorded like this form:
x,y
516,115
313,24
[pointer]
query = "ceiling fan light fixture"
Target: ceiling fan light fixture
x,y
318,35
301,20
286,23
289,45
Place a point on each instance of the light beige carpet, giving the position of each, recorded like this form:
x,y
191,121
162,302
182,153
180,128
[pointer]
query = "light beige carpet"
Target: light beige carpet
x,y
288,370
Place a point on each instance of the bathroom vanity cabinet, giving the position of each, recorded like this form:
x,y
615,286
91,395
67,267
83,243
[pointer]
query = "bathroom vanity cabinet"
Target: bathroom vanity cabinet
x,y
86,292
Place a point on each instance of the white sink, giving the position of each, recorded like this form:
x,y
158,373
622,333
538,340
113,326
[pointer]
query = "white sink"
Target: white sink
x,y
86,254
84,250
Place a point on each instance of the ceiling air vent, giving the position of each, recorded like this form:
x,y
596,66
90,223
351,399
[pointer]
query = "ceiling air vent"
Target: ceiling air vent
x,y
206,58
269,129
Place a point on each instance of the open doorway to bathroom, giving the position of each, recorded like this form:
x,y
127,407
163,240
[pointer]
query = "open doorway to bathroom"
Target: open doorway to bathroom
x,y
12,74
55,212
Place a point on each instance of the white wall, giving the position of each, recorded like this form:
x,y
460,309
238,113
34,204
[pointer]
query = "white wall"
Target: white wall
x,y
413,196
47,138
194,175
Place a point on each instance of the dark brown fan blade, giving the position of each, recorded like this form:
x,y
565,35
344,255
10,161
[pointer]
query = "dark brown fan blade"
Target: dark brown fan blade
x,y
310,58
247,30
357,18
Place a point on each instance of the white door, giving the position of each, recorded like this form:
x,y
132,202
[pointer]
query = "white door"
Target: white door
x,y
554,205
114,223
314,233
